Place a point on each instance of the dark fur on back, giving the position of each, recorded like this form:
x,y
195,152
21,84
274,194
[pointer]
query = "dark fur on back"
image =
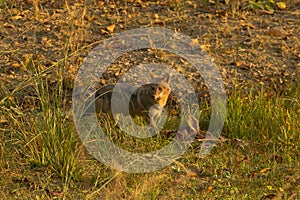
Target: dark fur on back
x,y
146,101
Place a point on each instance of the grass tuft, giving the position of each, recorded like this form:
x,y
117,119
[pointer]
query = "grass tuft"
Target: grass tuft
x,y
45,135
260,116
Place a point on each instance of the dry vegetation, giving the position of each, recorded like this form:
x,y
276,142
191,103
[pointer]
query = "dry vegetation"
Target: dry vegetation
x,y
255,46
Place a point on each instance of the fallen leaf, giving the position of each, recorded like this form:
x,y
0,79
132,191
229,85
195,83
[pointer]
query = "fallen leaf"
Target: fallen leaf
x,y
281,5
101,3
117,73
111,28
17,17
194,42
8,25
205,47
15,65
264,170
210,188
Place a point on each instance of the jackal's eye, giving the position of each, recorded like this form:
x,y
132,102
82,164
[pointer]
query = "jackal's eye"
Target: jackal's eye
x,y
153,88
159,89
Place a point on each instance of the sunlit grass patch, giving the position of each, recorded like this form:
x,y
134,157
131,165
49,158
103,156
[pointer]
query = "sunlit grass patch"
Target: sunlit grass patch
x,y
260,116
44,134
249,156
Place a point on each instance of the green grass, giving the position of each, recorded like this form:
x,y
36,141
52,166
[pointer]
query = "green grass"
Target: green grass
x,y
41,156
262,116
40,136
259,157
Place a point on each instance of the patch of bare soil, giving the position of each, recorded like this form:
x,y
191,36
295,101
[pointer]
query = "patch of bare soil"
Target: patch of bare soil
x,y
250,48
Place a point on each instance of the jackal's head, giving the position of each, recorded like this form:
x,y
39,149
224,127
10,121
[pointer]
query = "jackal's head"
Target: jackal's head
x,y
161,91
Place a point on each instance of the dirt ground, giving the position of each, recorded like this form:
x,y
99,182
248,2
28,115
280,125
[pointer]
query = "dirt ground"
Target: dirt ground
x,y
250,47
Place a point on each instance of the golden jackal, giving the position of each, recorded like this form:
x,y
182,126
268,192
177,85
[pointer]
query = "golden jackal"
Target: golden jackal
x,y
146,101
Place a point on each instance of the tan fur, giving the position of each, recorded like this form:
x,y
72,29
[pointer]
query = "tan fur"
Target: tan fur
x,y
146,101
